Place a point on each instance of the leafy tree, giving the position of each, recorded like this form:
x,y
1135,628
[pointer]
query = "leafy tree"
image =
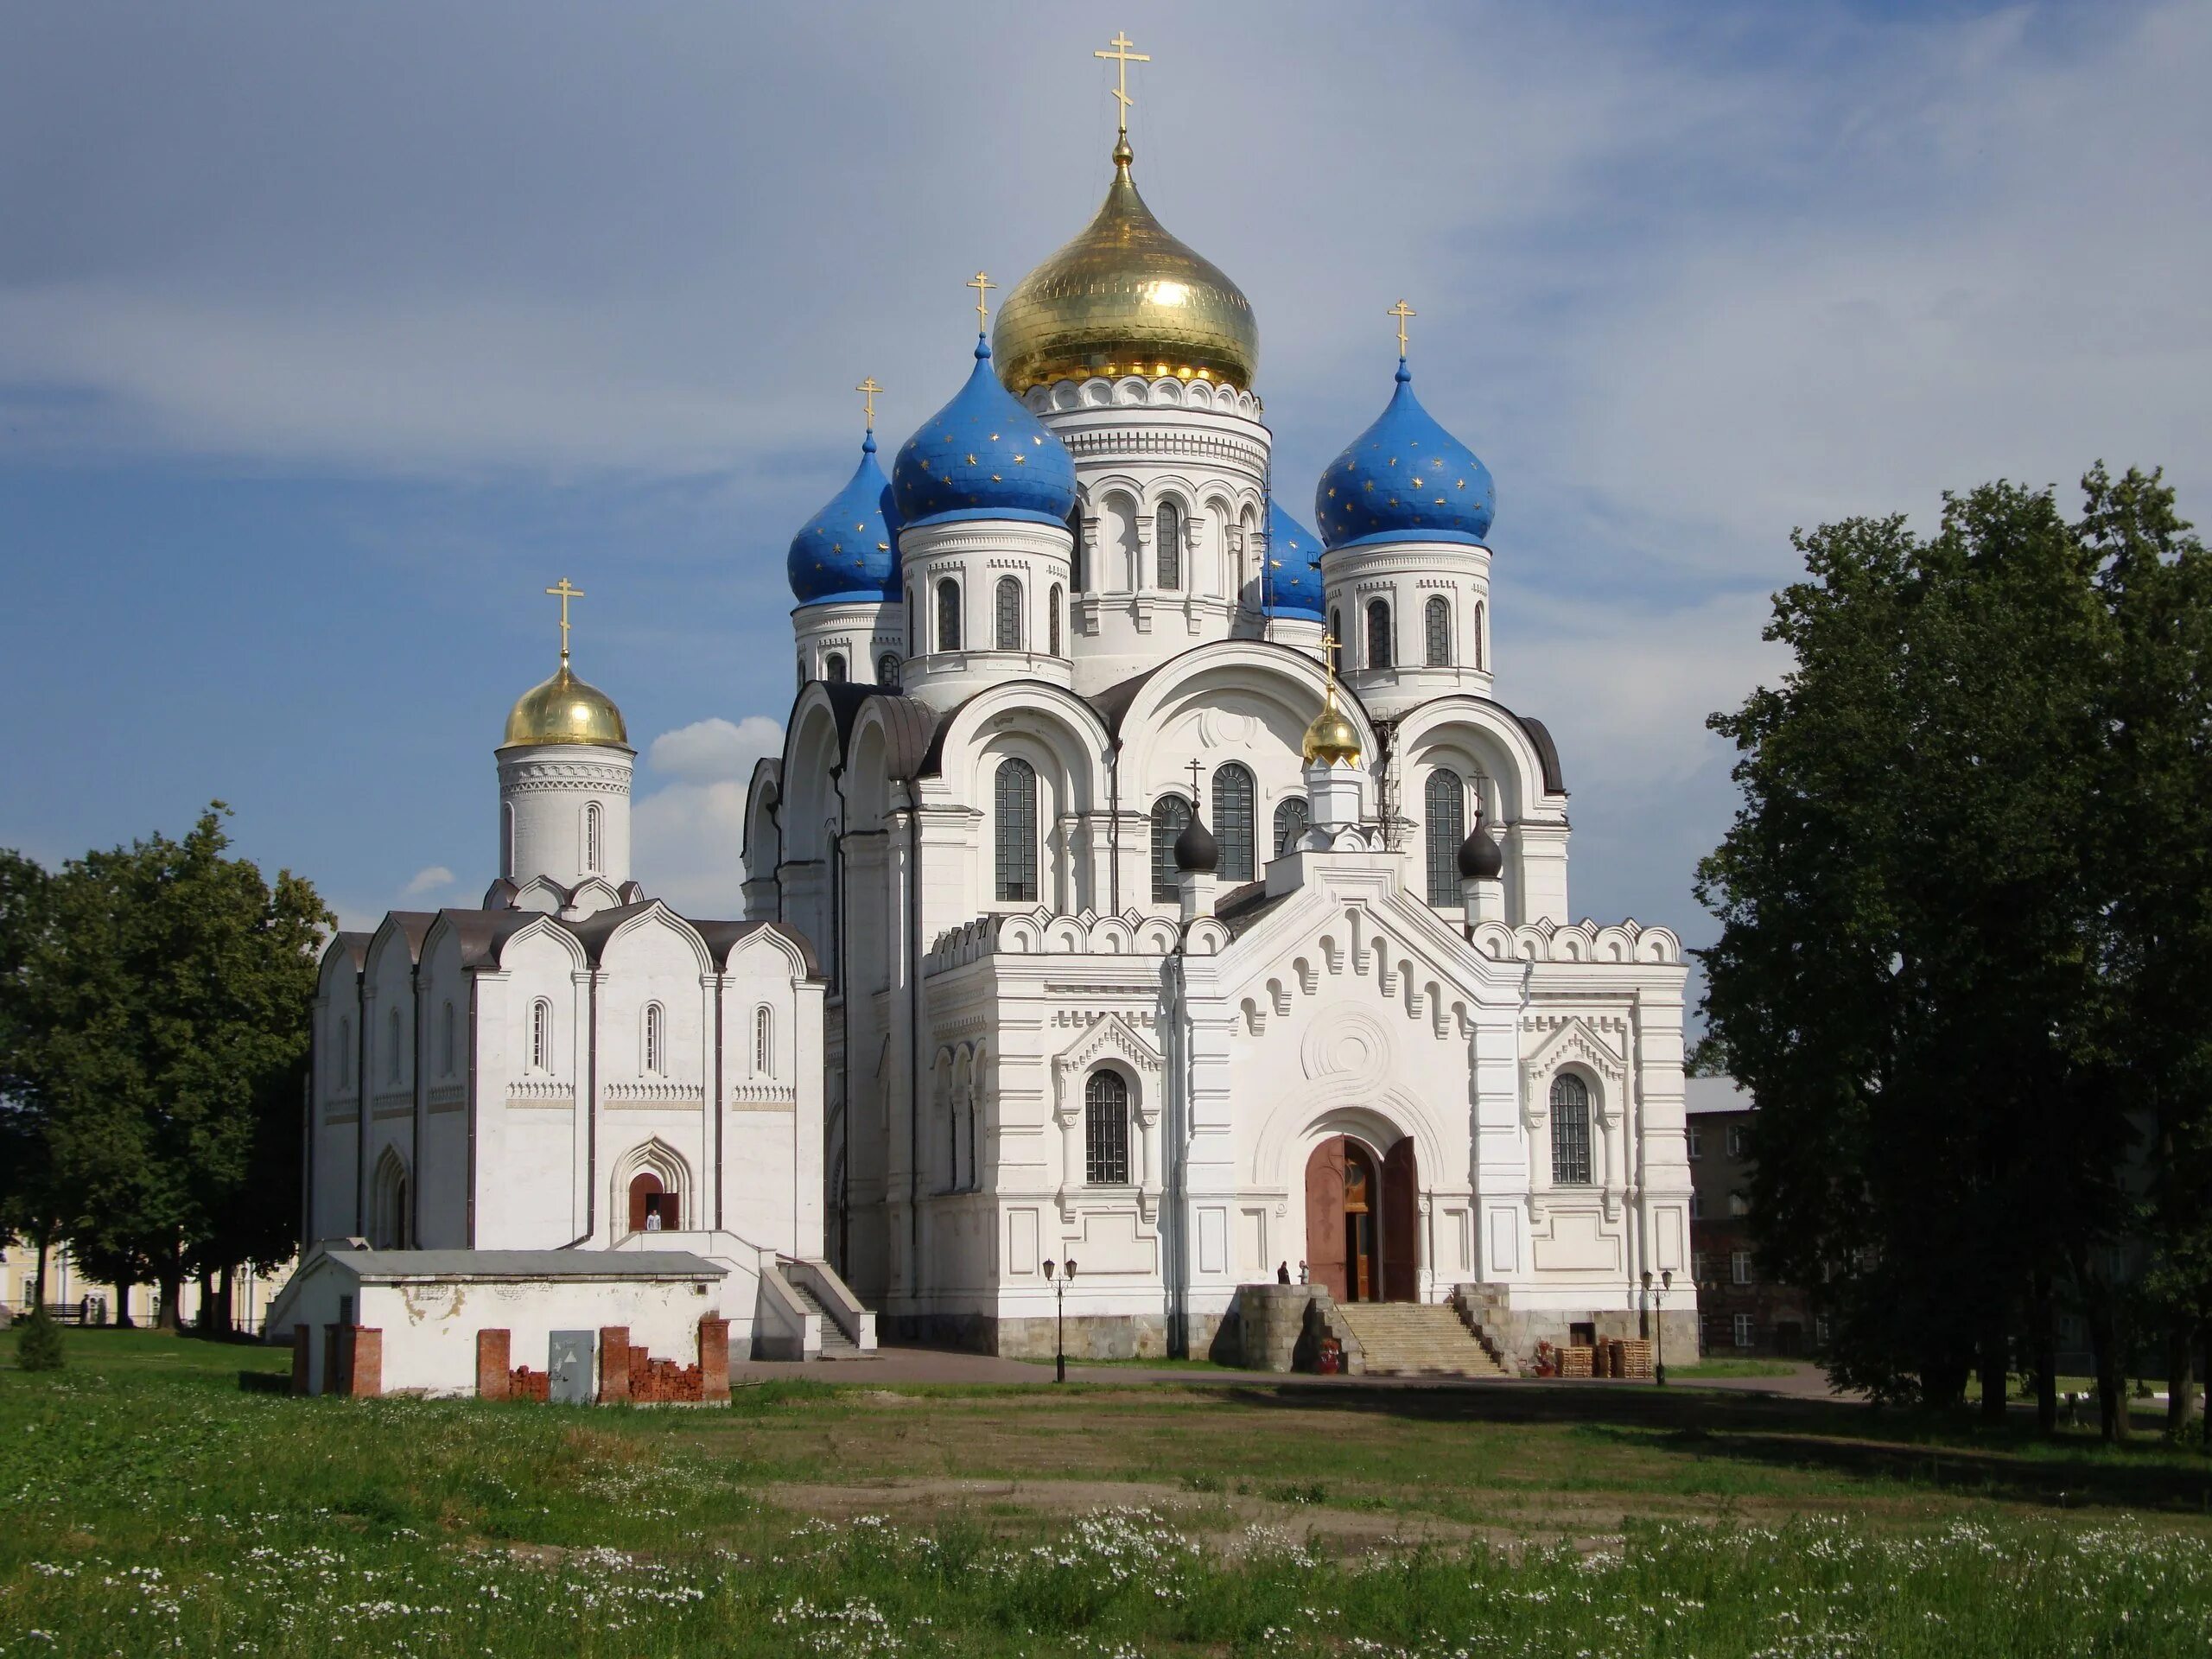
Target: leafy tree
x,y
28,1208
38,1342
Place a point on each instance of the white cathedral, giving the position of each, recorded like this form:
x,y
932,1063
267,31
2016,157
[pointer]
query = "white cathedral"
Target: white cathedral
x,y
1146,886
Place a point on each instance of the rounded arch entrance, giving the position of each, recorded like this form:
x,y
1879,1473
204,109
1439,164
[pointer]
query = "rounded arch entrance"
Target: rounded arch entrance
x,y
1363,1232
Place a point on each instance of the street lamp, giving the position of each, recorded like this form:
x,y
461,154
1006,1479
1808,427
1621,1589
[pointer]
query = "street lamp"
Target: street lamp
x,y
1060,1315
1666,1284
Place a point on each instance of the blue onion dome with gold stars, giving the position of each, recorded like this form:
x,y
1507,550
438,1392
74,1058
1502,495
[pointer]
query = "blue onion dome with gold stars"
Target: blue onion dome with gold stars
x,y
1405,480
983,456
1294,558
849,550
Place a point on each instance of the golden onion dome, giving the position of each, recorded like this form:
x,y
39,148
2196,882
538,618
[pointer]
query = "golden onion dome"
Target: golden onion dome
x,y
565,710
1333,739
1125,297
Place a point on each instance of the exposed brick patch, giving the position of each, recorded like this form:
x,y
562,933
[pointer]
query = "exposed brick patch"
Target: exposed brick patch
x,y
365,1379
523,1384
613,1363
713,1359
492,1352
663,1381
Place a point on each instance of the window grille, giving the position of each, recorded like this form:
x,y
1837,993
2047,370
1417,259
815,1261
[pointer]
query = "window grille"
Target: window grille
x,y
886,670
1052,622
1007,603
1290,822
1446,796
1168,536
1169,814
1233,792
1570,1131
1740,1266
1106,1130
834,669
948,615
764,1041
1744,1330
1379,634
1437,625
593,820
541,1035
656,1062
1014,797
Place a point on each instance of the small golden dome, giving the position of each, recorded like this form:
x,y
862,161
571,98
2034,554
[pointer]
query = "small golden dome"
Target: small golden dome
x,y
1333,739
564,710
1125,297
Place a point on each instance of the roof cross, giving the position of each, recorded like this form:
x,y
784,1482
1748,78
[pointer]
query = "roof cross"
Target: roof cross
x,y
982,285
1401,311
1122,57
564,592
1195,802
868,389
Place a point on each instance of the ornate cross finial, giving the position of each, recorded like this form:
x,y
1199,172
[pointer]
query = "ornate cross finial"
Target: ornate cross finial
x,y
1401,311
982,285
1122,56
564,592
868,389
1195,802
1330,645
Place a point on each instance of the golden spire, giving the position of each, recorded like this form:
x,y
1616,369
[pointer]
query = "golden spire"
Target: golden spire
x,y
868,389
1401,311
982,285
564,592
1332,739
1122,57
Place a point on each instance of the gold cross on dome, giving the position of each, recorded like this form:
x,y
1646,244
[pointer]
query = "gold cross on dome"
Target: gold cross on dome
x,y
564,592
1330,645
1401,311
1122,57
982,285
868,389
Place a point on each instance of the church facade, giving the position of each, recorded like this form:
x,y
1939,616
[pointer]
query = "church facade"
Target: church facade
x,y
1190,907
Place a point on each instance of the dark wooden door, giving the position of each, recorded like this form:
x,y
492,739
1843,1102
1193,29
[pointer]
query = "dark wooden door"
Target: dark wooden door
x,y
1400,1223
1361,1199
1325,1217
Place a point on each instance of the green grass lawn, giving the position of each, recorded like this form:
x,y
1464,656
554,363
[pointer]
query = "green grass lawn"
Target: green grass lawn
x,y
163,1496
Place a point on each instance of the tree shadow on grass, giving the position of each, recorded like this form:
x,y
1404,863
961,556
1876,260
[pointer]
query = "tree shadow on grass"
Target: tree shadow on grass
x,y
2009,1464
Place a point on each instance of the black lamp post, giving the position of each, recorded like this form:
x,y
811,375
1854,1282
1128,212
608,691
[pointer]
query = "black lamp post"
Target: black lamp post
x,y
1060,1315
1659,1302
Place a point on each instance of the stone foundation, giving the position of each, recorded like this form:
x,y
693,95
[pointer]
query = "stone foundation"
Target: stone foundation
x,y
1513,1333
1089,1336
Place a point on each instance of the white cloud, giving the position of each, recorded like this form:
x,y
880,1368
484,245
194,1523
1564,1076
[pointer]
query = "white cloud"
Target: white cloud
x,y
427,880
686,841
715,750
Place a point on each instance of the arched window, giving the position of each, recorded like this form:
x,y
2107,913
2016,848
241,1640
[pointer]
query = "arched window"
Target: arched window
x,y
1081,557
1167,551
541,1035
1006,609
345,1051
1336,642
1436,626
834,669
1169,814
445,1040
507,838
391,1047
886,670
594,836
655,1053
1014,802
1379,634
1445,826
1292,821
1570,1131
764,1041
799,669
1480,653
1106,1130
948,615
1233,792
1052,622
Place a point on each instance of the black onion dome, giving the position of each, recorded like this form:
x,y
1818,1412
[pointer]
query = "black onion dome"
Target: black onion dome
x,y
1480,857
1197,853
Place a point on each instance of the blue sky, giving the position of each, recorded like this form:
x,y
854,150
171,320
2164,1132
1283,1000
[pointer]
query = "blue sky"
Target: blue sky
x,y
329,335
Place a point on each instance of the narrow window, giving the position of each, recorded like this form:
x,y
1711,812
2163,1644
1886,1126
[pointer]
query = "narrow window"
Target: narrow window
x,y
541,1035
1447,826
1379,634
1052,622
1570,1131
1336,642
886,670
391,1047
764,1041
1106,1130
1081,557
595,821
1744,1330
1737,1141
1169,814
445,1040
1167,532
1697,1142
1233,792
800,670
948,615
345,1051
507,839
1480,653
1014,797
834,669
1290,822
1740,1266
1008,608
655,1061
1436,624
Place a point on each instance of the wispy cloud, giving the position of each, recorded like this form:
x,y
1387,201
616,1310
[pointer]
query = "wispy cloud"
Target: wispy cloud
x,y
426,880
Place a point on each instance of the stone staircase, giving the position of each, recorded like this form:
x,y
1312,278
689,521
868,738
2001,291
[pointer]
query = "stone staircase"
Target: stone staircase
x,y
1416,1339
836,1345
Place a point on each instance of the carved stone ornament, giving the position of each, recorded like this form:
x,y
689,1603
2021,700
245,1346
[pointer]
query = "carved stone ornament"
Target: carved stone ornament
x,y
1111,1038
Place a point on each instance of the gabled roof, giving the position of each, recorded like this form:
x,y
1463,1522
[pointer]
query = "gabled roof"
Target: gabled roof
x,y
723,937
1703,1095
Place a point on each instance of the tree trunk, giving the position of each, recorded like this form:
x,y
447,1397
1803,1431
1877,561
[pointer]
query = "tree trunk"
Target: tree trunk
x,y
226,1324
2112,1379
38,1280
2180,1378
123,1320
1995,1364
2046,1347
166,1316
204,1320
